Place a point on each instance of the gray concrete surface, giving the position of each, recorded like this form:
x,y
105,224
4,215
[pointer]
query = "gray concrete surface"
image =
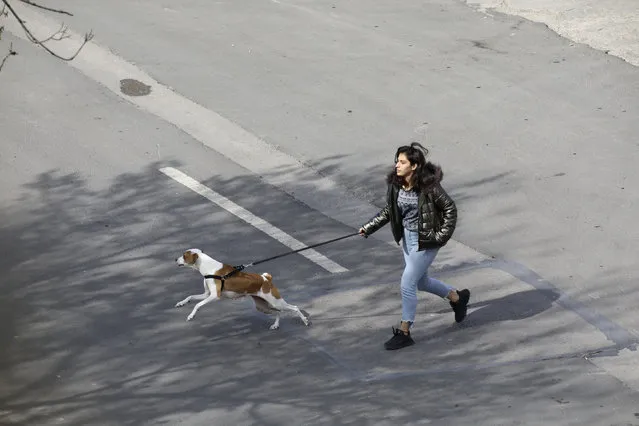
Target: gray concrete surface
x,y
90,227
611,26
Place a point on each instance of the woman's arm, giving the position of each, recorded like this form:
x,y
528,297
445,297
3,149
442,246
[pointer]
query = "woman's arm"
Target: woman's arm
x,y
376,222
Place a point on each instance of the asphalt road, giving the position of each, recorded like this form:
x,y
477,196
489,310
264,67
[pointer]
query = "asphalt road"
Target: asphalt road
x,y
291,111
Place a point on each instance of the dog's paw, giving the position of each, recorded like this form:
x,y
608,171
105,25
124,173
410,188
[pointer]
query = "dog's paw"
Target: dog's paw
x,y
274,327
190,317
180,303
306,317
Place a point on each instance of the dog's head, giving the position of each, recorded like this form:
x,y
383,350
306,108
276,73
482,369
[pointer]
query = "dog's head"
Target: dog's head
x,y
189,258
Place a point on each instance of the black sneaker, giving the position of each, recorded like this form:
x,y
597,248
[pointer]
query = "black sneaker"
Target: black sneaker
x,y
461,306
399,340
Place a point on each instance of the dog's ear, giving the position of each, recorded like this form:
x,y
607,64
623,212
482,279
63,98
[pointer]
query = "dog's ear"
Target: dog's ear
x,y
189,257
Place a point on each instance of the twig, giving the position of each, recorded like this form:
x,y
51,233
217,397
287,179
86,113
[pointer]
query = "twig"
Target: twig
x,y
87,37
11,53
57,36
29,2
3,14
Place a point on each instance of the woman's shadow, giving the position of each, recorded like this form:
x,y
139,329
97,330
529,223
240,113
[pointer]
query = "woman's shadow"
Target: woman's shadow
x,y
512,307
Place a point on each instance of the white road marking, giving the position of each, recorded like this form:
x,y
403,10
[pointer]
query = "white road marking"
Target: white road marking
x,y
253,220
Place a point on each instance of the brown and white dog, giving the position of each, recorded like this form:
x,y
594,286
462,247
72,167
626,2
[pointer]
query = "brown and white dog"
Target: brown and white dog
x,y
265,295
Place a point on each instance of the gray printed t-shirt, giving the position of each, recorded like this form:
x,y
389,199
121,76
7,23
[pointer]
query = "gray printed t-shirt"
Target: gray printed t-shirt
x,y
407,201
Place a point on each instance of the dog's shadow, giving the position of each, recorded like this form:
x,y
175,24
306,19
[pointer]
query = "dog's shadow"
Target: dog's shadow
x,y
241,318
513,307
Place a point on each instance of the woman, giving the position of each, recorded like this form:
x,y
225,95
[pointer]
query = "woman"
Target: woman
x,y
423,217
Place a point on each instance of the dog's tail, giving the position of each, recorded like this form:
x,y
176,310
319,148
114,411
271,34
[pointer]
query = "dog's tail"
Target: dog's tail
x,y
267,277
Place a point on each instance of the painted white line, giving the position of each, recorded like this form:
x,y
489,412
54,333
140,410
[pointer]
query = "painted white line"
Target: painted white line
x,y
253,220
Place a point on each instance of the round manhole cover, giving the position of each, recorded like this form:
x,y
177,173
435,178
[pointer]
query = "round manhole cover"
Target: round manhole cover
x,y
132,87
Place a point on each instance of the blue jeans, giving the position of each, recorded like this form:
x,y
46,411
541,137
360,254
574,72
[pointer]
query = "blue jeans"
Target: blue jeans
x,y
415,276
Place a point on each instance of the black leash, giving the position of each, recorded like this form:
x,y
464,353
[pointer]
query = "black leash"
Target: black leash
x,y
239,268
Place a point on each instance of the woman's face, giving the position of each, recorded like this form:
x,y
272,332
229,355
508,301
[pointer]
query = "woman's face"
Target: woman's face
x,y
404,167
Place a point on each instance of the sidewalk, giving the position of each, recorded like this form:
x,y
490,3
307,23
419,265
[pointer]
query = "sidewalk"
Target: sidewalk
x,y
608,25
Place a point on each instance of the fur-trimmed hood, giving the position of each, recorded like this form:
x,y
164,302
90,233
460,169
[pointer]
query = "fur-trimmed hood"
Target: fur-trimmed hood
x,y
436,175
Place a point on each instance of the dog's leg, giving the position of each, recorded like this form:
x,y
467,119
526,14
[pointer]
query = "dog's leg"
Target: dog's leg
x,y
192,297
281,305
265,307
295,309
211,298
276,324
271,294
195,297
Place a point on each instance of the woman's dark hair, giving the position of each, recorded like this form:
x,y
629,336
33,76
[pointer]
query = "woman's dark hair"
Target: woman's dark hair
x,y
425,174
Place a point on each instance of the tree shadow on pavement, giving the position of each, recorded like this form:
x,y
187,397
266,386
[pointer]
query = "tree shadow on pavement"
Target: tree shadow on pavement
x,y
90,334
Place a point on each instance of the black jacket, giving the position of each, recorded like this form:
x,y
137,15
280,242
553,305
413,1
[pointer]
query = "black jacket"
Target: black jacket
x,y
437,215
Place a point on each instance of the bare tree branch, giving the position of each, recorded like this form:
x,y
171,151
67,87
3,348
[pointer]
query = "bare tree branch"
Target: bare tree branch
x,y
3,13
59,35
11,53
29,2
